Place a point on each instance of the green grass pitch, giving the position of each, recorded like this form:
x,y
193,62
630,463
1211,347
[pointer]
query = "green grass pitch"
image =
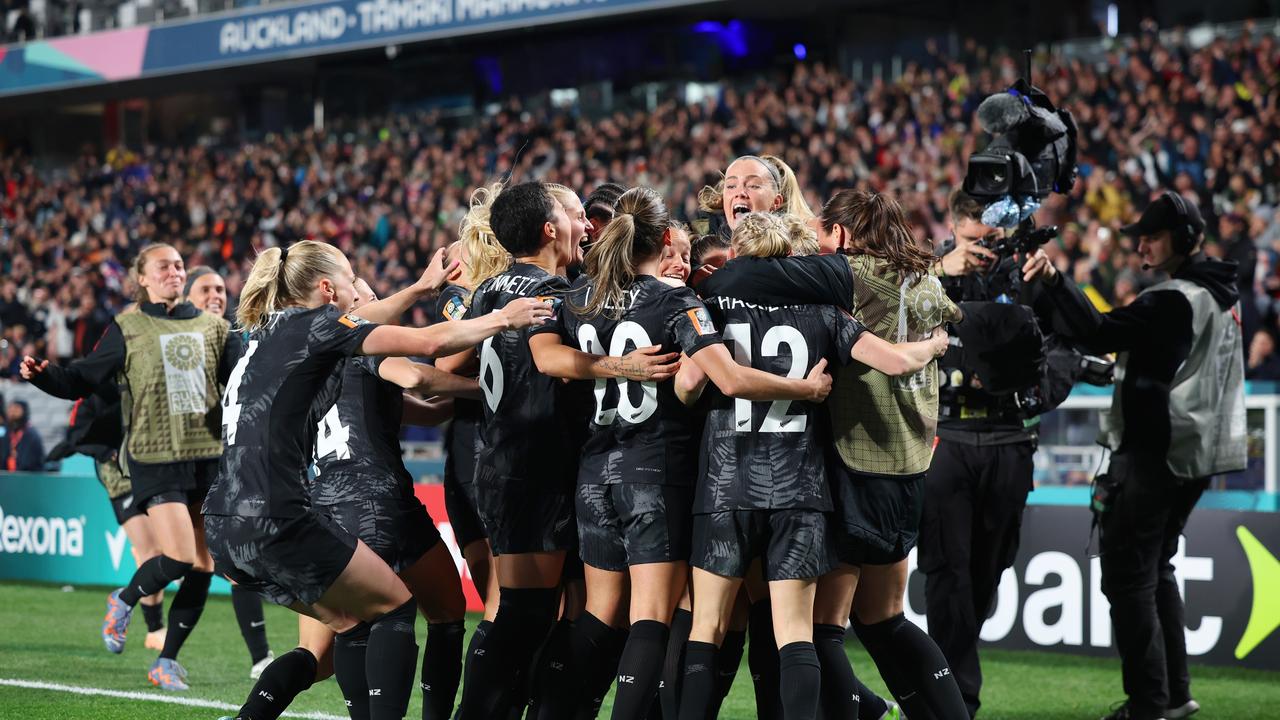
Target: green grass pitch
x,y
52,636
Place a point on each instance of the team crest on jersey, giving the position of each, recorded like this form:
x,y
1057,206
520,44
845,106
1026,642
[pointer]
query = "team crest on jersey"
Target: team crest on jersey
x,y
352,321
551,300
701,321
454,309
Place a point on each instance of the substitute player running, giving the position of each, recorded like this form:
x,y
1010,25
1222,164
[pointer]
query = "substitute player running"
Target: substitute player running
x,y
172,359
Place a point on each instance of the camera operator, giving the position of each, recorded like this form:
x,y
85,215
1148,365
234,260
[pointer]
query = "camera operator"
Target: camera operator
x,y
1177,418
978,481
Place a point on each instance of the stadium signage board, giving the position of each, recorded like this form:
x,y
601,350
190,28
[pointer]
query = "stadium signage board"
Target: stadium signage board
x,y
1051,599
278,33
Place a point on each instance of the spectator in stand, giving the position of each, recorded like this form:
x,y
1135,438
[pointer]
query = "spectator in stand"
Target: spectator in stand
x,y
21,449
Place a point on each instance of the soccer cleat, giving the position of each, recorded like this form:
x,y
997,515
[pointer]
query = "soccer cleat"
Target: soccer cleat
x,y
116,623
255,672
167,674
893,712
1185,710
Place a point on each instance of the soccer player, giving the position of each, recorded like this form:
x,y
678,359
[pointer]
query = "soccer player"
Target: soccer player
x,y
263,530
763,490
883,430
524,472
362,484
206,289
172,359
635,478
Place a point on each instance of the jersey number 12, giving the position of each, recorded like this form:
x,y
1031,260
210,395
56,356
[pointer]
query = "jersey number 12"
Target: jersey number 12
x,y
776,420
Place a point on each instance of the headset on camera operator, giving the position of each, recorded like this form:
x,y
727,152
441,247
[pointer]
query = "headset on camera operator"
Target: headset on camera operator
x,y
1177,418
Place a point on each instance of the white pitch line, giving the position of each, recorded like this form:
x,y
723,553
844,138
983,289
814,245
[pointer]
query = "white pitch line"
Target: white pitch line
x,y
152,697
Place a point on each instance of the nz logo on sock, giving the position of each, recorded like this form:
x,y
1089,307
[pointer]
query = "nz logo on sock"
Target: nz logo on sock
x,y
375,692
266,695
628,679
942,673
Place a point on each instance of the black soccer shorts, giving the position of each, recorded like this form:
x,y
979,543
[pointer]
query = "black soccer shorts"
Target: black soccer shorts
x,y
286,560
877,517
791,544
400,531
627,524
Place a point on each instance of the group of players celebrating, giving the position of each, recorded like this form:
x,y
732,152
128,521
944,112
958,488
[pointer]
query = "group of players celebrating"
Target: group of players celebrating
x,y
640,472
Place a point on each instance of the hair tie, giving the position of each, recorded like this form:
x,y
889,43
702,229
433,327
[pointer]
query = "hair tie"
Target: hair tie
x,y
282,287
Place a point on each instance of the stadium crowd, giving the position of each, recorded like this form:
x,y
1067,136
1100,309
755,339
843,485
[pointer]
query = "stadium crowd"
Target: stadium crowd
x,y
391,190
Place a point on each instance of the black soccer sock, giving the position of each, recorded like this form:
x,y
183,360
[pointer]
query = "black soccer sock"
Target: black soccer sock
x,y
701,679
441,668
185,611
640,669
350,650
279,684
525,615
800,677
870,705
390,662
914,669
762,658
253,627
729,660
556,680
604,645
152,577
477,640
154,615
839,685
673,664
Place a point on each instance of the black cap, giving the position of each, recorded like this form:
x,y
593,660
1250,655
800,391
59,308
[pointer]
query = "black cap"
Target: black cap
x,y
1163,215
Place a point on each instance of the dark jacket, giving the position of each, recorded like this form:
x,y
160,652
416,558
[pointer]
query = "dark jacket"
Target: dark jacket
x,y
1156,332
24,447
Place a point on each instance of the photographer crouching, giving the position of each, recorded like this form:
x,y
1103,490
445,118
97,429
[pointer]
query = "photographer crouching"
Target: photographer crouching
x,y
1177,418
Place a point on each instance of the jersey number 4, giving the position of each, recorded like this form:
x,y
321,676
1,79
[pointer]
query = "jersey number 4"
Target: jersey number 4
x,y
231,398
332,438
627,331
776,420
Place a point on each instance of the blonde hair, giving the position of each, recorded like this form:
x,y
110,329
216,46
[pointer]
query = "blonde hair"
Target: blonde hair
x,y
711,198
139,268
762,235
792,197
561,193
635,233
273,285
804,239
485,256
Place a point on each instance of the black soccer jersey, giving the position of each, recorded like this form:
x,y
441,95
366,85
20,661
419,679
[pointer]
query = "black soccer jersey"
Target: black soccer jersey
x,y
639,432
523,435
771,455
357,448
276,396
451,304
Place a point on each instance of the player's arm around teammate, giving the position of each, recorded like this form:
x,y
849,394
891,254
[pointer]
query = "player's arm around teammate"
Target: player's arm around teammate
x,y
263,530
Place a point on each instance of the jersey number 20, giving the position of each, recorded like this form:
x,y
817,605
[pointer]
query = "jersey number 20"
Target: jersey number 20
x,y
589,341
776,420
